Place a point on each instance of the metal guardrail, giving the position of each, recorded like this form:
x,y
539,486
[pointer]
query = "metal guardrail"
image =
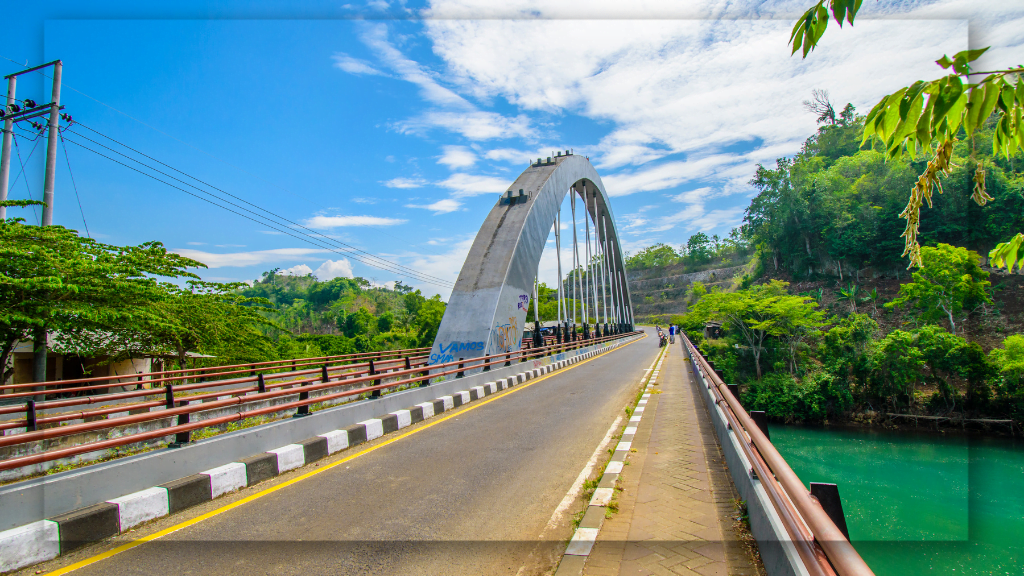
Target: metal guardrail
x,y
822,547
183,408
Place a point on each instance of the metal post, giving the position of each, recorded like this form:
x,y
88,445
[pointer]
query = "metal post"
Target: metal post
x,y
373,372
51,146
304,409
324,377
828,497
5,155
169,396
761,419
30,416
182,438
261,384
460,374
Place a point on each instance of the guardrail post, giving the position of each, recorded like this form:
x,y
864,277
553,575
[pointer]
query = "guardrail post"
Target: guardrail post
x,y
734,389
460,373
169,396
828,496
759,418
181,438
324,377
139,385
408,363
261,385
304,409
373,371
253,373
508,360
30,416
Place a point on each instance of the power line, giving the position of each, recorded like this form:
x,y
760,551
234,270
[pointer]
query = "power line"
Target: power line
x,y
80,209
384,264
200,150
255,218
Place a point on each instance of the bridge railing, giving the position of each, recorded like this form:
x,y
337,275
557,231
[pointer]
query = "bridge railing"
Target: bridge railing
x,y
179,406
822,547
95,383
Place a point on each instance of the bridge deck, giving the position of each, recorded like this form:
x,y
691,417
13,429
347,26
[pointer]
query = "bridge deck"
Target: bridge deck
x,y
471,492
677,509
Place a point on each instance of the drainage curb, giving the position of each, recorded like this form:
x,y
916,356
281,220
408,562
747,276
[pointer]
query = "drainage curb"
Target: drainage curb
x,y
582,542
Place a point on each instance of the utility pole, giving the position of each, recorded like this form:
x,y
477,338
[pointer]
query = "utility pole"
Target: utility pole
x,y
5,155
12,114
51,146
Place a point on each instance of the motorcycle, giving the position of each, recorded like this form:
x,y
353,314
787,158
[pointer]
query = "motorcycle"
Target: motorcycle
x,y
662,340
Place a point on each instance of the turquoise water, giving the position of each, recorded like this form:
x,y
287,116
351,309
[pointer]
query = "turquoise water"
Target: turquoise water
x,y
920,503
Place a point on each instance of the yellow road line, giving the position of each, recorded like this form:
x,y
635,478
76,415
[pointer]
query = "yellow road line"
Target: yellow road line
x,y
311,473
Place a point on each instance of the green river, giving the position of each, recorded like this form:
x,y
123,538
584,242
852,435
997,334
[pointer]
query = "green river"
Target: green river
x,y
920,503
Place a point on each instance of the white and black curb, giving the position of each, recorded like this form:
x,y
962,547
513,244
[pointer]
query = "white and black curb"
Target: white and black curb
x,y
582,542
48,539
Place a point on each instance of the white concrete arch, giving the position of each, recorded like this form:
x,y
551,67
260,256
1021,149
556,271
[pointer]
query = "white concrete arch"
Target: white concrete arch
x,y
486,313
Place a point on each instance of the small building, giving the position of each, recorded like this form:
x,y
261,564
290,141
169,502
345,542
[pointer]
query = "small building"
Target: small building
x,y
713,330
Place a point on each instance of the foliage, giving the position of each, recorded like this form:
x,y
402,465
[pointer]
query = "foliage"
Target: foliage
x,y
1008,253
53,280
759,313
948,283
896,368
1009,362
929,116
818,397
652,256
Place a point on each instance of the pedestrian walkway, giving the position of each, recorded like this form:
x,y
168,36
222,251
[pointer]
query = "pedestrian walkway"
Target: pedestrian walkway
x,y
677,505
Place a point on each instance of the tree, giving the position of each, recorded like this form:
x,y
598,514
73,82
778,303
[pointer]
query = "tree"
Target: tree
x,y
820,105
896,367
656,255
760,312
926,117
948,283
699,248
429,320
54,281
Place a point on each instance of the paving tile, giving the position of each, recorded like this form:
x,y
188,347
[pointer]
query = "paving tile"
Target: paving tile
x,y
675,510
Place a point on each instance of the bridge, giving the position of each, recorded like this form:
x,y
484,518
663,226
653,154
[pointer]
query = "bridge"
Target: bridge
x,y
583,448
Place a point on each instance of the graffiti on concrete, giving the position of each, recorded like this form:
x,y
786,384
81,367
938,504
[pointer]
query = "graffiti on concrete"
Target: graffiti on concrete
x,y
524,302
506,336
448,352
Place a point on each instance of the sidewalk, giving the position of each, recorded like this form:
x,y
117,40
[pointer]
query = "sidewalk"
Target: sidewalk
x,y
676,507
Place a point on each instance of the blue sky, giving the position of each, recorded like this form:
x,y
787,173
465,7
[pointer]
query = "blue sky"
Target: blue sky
x,y
392,127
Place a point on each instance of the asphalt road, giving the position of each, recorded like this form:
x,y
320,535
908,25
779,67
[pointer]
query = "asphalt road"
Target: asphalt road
x,y
473,494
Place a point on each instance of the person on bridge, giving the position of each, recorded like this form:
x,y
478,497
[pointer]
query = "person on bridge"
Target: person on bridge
x,y
671,333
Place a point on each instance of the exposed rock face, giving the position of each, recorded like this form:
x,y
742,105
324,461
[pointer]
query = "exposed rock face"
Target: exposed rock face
x,y
662,291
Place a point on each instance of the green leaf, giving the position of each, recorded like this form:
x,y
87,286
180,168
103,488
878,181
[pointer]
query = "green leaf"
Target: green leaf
x,y
1006,97
949,91
992,90
852,11
924,134
945,62
971,55
955,114
977,99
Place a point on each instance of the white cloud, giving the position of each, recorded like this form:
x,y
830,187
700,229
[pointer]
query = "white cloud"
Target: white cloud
x,y
355,65
403,183
445,265
297,270
322,222
456,157
196,243
332,269
477,125
254,258
463,185
440,207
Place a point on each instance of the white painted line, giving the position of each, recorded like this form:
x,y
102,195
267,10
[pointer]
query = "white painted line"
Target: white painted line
x,y
289,457
374,428
404,418
136,508
231,477
428,409
601,497
577,486
29,544
623,446
614,467
634,419
336,440
582,542
448,402
629,430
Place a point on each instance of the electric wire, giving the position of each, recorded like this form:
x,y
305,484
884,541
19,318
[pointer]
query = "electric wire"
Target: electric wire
x,y
254,218
200,150
387,263
73,184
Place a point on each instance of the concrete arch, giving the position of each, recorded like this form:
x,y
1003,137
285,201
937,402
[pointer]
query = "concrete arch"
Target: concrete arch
x,y
486,313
